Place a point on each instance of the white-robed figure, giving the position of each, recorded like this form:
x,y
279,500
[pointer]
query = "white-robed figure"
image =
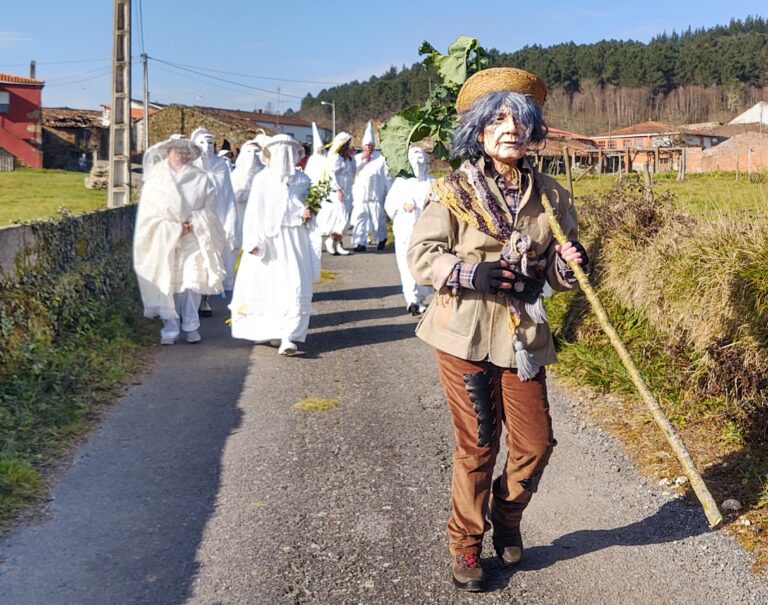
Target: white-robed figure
x,y
247,166
178,239
403,205
372,181
315,167
333,218
219,173
272,300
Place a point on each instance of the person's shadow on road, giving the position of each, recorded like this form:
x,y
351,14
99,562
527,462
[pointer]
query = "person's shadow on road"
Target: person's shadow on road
x,y
673,521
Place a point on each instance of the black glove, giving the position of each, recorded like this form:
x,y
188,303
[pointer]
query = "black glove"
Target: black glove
x,y
584,256
488,278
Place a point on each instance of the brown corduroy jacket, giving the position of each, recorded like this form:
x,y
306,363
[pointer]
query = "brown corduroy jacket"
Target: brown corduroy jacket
x,y
475,325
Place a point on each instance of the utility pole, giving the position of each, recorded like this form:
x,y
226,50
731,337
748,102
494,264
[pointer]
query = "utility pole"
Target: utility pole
x,y
146,101
120,122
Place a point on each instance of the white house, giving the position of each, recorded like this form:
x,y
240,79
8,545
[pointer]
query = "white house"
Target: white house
x,y
757,114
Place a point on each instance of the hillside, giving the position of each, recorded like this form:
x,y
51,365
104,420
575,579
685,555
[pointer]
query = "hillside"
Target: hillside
x,y
698,75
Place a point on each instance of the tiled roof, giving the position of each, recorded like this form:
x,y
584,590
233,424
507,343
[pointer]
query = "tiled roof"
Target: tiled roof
x,y
566,134
65,117
643,128
11,79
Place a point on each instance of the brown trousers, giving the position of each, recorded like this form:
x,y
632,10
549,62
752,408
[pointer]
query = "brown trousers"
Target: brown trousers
x,y
523,408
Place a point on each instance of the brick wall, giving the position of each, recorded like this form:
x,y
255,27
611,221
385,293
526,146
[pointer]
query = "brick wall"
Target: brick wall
x,y
731,155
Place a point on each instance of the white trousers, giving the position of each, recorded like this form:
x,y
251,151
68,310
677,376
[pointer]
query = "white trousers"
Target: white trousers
x,y
187,305
368,217
412,292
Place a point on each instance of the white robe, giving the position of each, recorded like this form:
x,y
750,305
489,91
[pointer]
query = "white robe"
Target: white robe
x,y
242,177
218,170
404,191
316,170
372,181
334,214
165,261
272,299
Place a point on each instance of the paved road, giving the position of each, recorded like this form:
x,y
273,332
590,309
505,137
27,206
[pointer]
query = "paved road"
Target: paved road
x,y
204,486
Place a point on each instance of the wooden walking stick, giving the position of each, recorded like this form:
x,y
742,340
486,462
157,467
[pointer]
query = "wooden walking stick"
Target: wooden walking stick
x,y
697,483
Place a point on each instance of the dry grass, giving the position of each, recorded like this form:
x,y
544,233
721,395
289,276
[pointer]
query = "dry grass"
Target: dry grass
x,y
689,296
316,404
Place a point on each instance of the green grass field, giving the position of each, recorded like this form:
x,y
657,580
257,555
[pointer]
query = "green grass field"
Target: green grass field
x,y
700,194
28,195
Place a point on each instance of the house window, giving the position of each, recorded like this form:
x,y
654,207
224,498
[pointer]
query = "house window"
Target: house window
x,y
5,101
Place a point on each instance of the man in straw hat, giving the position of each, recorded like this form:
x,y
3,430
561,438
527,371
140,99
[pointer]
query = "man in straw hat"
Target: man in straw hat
x,y
369,190
272,299
484,243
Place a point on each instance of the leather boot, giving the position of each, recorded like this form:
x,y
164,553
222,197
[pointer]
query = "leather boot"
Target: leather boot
x,y
507,540
467,573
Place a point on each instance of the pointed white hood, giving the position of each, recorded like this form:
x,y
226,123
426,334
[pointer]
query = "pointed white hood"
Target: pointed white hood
x,y
368,138
317,141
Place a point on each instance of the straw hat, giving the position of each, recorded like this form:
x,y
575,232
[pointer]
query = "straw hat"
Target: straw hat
x,y
500,79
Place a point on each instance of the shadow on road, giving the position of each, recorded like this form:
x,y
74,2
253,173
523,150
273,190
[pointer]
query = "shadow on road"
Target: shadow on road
x,y
357,293
338,318
129,516
672,522
364,336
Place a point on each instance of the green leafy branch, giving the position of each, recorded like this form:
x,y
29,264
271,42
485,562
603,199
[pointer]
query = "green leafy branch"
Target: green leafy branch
x,y
436,117
318,193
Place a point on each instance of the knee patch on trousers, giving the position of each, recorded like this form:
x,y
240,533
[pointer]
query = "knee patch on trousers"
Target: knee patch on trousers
x,y
481,393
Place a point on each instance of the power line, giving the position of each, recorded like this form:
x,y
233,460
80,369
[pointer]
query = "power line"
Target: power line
x,y
184,75
39,63
177,66
105,72
233,73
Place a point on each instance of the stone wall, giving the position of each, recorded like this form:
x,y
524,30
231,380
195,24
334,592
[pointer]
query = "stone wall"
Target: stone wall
x,y
176,119
19,243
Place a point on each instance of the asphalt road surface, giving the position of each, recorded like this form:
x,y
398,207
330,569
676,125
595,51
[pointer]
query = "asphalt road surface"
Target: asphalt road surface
x,y
204,485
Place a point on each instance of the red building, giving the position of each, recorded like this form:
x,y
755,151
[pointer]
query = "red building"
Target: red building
x,y
20,119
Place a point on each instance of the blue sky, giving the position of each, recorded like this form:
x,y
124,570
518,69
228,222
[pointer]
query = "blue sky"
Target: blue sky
x,y
266,44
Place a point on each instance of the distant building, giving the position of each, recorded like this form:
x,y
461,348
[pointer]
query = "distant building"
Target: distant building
x,y
298,128
757,114
654,135
137,120
20,132
70,133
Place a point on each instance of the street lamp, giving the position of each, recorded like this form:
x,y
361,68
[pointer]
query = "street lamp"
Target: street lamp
x,y
333,115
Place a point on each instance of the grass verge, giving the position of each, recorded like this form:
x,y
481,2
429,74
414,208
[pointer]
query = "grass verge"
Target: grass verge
x,y
689,297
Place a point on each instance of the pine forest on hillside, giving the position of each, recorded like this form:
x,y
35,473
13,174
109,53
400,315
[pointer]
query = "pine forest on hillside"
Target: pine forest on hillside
x,y
703,75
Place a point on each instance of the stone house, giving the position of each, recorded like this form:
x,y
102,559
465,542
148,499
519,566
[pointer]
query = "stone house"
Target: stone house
x,y
228,127
68,133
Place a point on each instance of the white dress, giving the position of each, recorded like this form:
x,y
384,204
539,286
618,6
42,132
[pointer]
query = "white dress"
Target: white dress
x,y
220,174
372,181
334,214
272,299
403,191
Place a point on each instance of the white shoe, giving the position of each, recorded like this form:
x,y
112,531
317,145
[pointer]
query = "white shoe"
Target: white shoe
x,y
287,348
167,340
340,250
422,308
193,337
274,343
329,246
